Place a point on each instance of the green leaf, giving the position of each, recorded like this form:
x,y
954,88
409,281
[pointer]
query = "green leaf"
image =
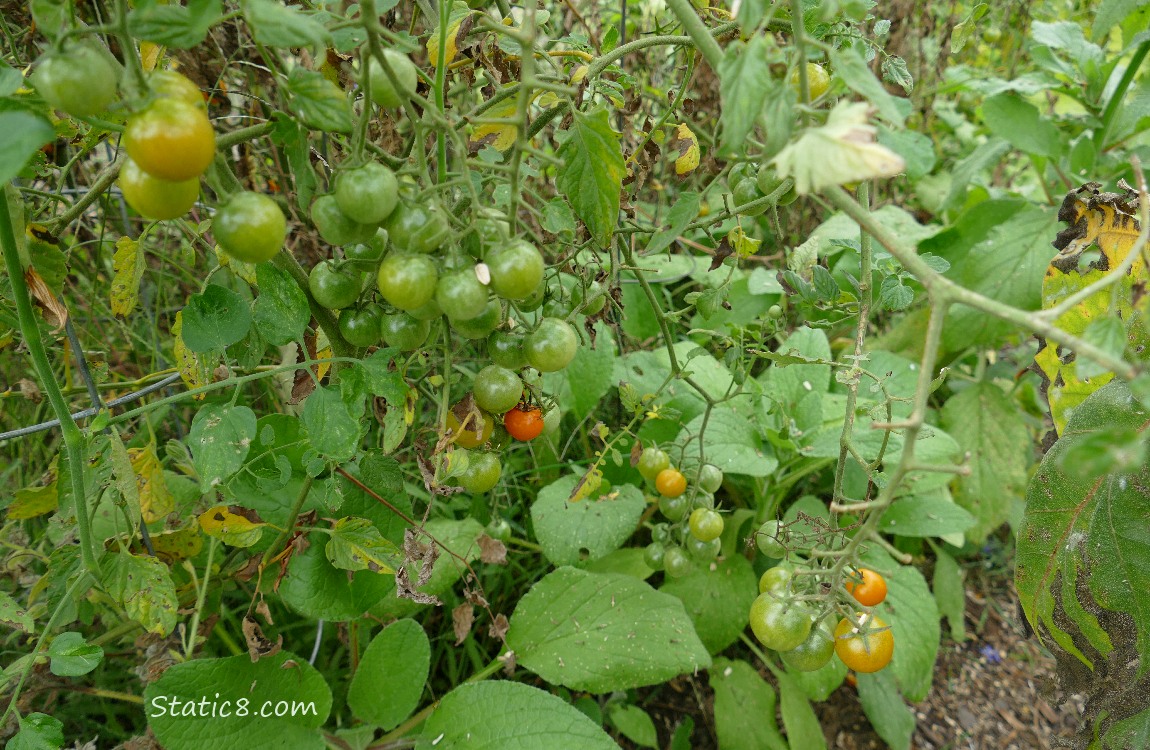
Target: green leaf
x,y
292,136
557,217
985,156
177,26
241,693
387,687
890,717
990,427
592,172
744,708
583,383
925,515
803,729
37,732
1108,334
894,295
626,561
509,716
732,443
591,528
220,438
789,384
13,615
72,656
319,103
214,319
744,83
949,592
143,587
356,544
600,632
51,17
849,65
718,598
633,723
1018,121
279,25
281,313
316,589
331,427
894,70
1109,14
24,134
683,211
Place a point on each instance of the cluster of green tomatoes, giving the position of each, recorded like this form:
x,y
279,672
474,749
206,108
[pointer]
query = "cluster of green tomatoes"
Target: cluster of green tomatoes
x,y
692,528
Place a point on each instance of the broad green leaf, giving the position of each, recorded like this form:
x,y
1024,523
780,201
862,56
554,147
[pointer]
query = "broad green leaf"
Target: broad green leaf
x,y
633,723
215,319
177,26
280,25
387,687
788,384
732,444
592,172
683,211
37,732
849,65
819,684
744,708
986,156
602,632
557,217
316,589
24,134
890,717
143,587
281,313
594,527
331,427
718,597
1110,13
990,427
1108,334
803,729
932,514
584,382
220,438
72,656
949,592
625,561
1011,117
52,17
319,103
279,701
458,536
744,82
507,715
356,544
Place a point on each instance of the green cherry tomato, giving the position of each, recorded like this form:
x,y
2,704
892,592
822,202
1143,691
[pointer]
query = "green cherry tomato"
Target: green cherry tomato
x,y
429,311
79,79
774,312
740,172
818,80
169,83
552,418
703,551
746,191
674,508
461,295
706,524
813,653
383,91
779,623
370,253
552,345
516,270
661,533
534,300
768,180
250,227
334,226
407,281
652,461
482,473
481,326
404,332
767,540
154,198
361,327
776,579
417,228
588,301
334,285
676,562
499,529
710,478
171,139
505,348
368,193
653,556
497,389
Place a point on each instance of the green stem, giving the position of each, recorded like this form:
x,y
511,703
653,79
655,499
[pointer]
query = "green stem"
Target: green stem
x,y
296,507
440,89
190,645
698,31
1119,94
339,347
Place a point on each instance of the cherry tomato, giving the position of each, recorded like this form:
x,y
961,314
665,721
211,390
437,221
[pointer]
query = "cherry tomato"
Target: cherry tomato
x,y
674,508
250,227
710,478
653,556
651,462
334,226
524,423
154,198
171,139
516,270
703,551
169,83
870,591
778,622
370,253
534,300
477,433
79,79
589,301
498,390
461,295
368,193
428,311
813,653
505,348
864,643
552,345
404,332
482,325
705,524
746,191
552,418
767,540
383,91
499,529
482,473
818,80
361,327
676,563
334,286
774,312
417,228
671,483
777,579
407,281
740,172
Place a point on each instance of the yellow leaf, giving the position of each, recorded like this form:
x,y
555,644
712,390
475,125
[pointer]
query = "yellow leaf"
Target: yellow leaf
x,y
499,136
683,148
744,245
31,502
156,500
128,269
459,26
232,525
180,544
194,371
246,271
150,55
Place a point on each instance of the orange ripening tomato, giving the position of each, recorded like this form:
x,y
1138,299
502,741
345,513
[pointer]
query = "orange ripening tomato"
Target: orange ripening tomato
x,y
870,591
524,423
864,643
671,483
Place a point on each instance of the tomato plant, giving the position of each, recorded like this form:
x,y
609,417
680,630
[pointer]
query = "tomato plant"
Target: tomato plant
x,y
80,79
813,653
482,472
671,483
864,643
407,281
404,332
171,139
250,227
778,622
155,198
417,227
870,590
497,390
524,423
366,194
460,295
384,91
336,227
551,346
333,285
706,525
652,461
505,348
361,327
516,270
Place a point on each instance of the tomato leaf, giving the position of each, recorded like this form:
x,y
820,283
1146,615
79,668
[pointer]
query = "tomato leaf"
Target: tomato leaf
x,y
717,596
591,175
215,319
744,83
182,27
24,134
1018,121
888,714
331,427
143,587
569,531
281,312
319,103
279,25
